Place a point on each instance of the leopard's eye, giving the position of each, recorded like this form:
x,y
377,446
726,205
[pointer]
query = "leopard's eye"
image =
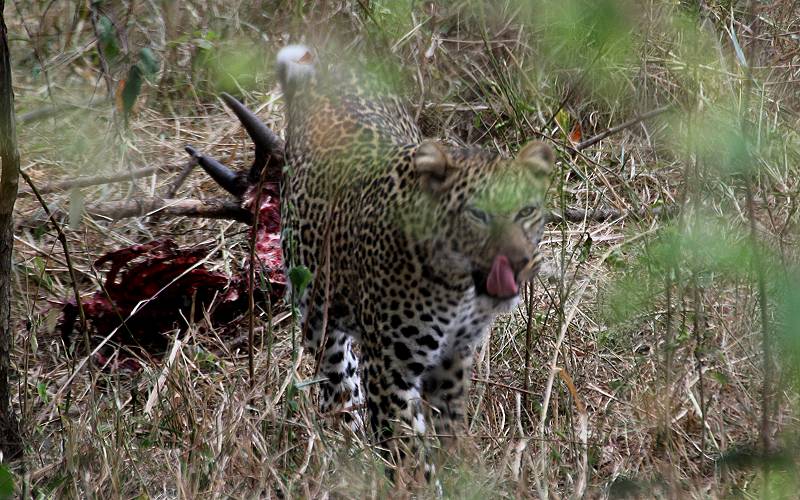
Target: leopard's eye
x,y
478,214
526,212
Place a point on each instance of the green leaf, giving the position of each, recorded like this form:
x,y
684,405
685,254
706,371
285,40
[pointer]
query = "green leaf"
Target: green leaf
x,y
719,377
148,62
202,43
108,40
291,398
563,120
34,342
586,249
41,388
41,274
300,277
132,89
738,48
39,231
6,483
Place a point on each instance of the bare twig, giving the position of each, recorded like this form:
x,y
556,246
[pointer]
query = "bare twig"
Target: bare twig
x,y
95,180
62,238
758,264
231,210
622,126
184,174
528,346
37,52
48,111
142,207
211,209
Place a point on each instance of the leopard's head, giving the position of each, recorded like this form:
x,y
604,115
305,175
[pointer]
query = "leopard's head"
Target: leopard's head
x,y
492,212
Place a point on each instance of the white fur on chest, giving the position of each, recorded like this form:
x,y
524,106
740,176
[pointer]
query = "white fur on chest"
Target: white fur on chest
x,y
471,320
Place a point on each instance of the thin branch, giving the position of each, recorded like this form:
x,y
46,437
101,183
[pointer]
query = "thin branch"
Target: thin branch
x,y
95,180
209,209
758,261
48,111
62,238
622,126
184,174
231,210
143,207
548,390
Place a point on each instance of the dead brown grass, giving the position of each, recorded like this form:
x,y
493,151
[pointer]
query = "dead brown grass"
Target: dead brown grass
x,y
646,405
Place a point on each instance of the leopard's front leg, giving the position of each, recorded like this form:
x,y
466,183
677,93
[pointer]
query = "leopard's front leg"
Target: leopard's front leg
x,y
444,388
394,365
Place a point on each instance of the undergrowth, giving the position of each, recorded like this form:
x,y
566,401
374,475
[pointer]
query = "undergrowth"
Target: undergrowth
x,y
656,355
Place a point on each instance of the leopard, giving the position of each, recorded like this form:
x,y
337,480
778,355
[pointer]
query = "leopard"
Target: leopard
x,y
413,245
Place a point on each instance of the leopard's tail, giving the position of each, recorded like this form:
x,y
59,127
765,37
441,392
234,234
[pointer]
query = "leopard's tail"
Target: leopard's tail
x,y
295,67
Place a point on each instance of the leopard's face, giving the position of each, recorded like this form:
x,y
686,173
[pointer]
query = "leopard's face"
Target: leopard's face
x,y
493,213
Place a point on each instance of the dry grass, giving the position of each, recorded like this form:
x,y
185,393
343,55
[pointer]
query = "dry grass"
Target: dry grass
x,y
647,403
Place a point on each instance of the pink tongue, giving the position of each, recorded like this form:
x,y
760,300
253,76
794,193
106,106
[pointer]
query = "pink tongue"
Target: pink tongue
x,y
501,282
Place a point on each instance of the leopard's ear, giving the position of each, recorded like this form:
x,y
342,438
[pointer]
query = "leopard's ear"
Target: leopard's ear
x,y
432,166
538,155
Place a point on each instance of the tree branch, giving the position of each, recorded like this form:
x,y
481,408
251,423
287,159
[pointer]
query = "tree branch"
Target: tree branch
x,y
48,111
209,209
94,180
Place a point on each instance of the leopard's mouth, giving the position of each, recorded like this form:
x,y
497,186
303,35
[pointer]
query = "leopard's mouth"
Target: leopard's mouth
x,y
480,281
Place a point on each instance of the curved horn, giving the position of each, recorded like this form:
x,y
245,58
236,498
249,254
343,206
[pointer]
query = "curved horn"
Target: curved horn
x,y
266,141
225,177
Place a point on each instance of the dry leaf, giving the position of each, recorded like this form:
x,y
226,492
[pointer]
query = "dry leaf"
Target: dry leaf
x,y
118,102
576,133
